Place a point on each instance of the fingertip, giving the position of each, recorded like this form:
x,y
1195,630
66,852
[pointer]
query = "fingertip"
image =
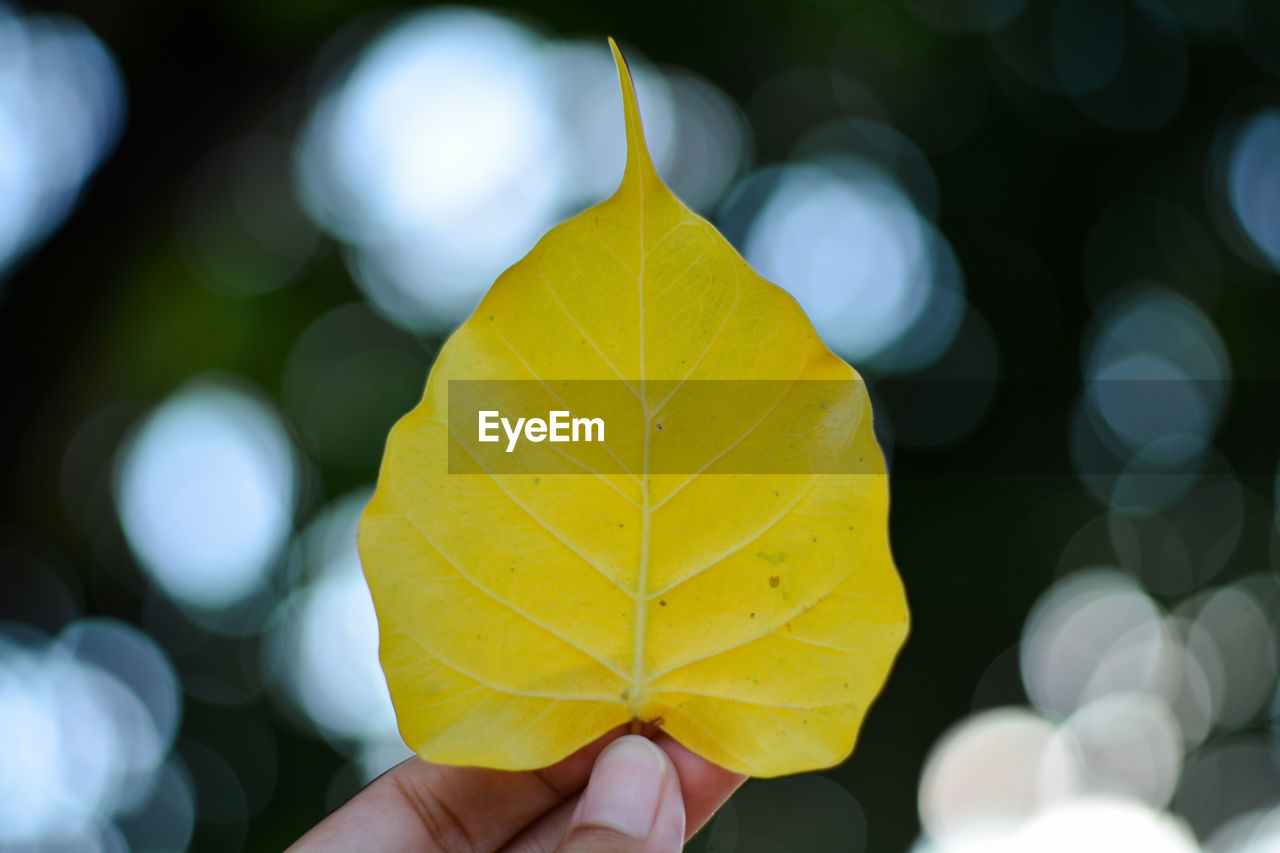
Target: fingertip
x,y
632,803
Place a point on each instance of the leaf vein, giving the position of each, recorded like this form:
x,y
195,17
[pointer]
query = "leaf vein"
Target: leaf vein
x,y
754,638
510,691
557,450
783,706
499,599
587,338
554,535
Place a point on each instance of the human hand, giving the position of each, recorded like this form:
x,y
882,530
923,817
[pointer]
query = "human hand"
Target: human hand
x,y
621,794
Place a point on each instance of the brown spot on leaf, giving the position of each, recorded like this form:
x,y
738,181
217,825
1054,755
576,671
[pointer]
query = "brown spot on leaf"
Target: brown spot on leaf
x,y
658,426
774,581
662,602
753,616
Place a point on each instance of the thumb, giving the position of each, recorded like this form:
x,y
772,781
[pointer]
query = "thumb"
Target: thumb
x,y
631,805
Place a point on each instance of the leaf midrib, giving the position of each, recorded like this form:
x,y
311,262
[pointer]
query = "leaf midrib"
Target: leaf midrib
x,y
642,582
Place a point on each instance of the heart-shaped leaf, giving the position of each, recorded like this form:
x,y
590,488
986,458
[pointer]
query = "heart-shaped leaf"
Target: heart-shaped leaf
x,y
720,565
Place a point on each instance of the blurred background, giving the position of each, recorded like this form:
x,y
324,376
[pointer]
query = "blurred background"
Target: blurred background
x,y
233,237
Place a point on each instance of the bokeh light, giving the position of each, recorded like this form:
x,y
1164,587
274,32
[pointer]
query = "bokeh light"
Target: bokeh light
x,y
817,233
588,102
61,111
1157,340
1231,629
1157,382
995,769
850,245
1104,823
1131,744
1227,779
86,724
325,647
1187,544
433,159
1092,634
1253,182
712,144
459,137
1130,695
206,491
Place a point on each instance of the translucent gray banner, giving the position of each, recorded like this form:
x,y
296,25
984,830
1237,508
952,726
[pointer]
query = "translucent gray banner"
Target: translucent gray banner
x,y
661,427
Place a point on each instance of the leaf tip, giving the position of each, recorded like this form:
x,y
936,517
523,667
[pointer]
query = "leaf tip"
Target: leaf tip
x,y
638,159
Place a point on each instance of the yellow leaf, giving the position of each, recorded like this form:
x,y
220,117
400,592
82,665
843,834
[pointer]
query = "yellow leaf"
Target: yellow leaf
x,y
753,613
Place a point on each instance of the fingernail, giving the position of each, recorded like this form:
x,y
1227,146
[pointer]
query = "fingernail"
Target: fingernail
x,y
625,787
